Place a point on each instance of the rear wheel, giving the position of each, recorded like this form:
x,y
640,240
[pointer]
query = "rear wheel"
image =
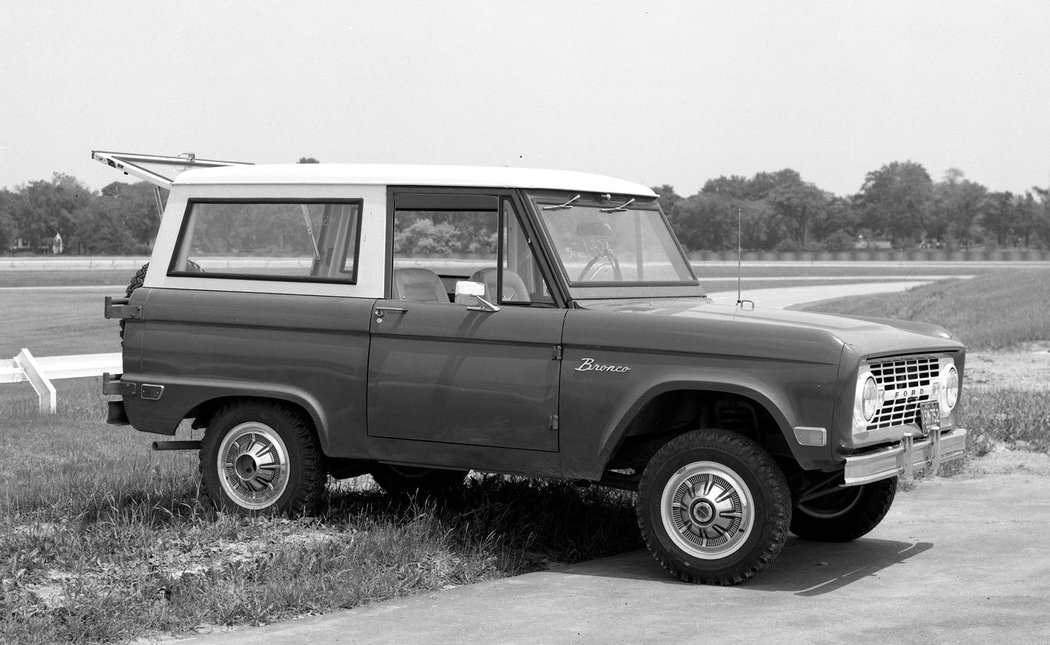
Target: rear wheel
x,y
713,507
261,458
411,480
842,513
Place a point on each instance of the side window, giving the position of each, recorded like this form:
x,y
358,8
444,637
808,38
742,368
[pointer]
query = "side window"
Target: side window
x,y
520,280
442,239
439,240
299,241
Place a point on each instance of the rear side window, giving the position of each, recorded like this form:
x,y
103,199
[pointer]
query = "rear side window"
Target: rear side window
x,y
299,241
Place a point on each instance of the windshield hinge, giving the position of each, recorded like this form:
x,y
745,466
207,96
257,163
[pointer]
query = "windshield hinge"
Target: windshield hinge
x,y
559,207
618,209
552,422
557,352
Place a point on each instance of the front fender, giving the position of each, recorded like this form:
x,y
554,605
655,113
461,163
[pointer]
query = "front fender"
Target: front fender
x,y
598,407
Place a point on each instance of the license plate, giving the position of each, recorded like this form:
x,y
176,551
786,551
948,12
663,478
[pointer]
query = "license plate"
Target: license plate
x,y
931,416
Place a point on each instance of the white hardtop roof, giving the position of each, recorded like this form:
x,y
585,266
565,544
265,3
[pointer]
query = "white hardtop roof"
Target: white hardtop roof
x,y
412,175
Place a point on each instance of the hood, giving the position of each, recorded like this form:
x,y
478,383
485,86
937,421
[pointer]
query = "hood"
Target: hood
x,y
866,336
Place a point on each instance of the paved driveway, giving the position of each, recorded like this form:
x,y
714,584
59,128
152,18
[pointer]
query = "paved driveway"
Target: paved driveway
x,y
956,560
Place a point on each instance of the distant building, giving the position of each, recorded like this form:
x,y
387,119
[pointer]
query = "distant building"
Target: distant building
x,y
875,245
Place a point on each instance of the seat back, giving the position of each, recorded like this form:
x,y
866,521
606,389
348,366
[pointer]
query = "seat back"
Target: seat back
x,y
420,285
514,289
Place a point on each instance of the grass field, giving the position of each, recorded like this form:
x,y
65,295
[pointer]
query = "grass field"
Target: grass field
x,y
102,540
997,311
63,278
56,322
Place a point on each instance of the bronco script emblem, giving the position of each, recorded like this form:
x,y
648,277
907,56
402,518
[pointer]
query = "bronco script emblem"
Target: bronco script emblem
x,y
588,365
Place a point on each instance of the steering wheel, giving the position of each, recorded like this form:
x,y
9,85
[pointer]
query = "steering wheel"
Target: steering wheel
x,y
603,259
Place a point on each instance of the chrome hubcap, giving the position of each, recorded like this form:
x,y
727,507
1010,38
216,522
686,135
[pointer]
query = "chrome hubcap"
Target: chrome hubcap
x,y
253,465
706,510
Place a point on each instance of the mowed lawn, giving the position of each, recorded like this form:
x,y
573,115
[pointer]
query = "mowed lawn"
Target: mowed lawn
x,y
996,311
56,322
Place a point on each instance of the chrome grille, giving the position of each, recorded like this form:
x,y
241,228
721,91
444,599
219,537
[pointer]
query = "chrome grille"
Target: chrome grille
x,y
905,384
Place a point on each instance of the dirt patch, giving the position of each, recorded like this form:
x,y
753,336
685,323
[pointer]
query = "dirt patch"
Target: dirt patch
x,y
1003,460
168,565
1027,369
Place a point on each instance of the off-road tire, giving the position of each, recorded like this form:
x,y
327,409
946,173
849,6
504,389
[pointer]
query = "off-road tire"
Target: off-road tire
x,y
844,514
135,283
136,280
410,480
261,458
711,486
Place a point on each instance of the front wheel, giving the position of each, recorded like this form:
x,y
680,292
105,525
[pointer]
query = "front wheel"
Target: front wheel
x,y
713,507
261,459
842,514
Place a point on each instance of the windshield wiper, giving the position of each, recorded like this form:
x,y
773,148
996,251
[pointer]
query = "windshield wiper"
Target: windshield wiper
x,y
618,209
567,204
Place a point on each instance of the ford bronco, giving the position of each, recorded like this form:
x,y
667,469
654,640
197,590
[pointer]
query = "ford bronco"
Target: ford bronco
x,y
419,322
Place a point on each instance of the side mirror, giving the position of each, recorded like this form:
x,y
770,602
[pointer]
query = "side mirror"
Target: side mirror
x,y
468,292
469,289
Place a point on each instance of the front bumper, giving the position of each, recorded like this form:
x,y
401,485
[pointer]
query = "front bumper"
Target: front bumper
x,y
914,453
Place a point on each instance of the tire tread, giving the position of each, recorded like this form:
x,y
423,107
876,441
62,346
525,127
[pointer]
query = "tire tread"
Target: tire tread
x,y
770,477
313,477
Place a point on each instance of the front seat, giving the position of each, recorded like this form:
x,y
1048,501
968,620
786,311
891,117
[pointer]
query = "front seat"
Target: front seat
x,y
419,285
514,289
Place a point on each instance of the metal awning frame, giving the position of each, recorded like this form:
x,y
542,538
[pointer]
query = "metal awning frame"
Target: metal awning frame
x,y
159,170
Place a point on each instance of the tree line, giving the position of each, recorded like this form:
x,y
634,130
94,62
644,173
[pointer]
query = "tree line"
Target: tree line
x,y
121,219
898,206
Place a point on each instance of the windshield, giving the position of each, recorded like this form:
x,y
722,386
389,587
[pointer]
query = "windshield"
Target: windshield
x,y
613,242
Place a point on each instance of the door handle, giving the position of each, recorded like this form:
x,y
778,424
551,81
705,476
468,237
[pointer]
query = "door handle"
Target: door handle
x,y
382,311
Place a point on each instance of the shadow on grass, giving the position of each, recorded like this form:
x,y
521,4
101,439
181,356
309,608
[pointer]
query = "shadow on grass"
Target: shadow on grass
x,y
531,523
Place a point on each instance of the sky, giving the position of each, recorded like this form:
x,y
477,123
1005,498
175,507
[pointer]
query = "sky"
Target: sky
x,y
654,92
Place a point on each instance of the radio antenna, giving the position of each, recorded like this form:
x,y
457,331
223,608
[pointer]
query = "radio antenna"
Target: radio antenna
x,y
746,305
739,252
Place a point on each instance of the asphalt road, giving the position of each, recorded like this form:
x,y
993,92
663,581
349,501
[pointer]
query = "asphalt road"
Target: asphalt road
x,y
781,297
960,560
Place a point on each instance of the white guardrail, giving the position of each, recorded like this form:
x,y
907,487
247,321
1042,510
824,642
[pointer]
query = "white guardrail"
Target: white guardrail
x,y
41,371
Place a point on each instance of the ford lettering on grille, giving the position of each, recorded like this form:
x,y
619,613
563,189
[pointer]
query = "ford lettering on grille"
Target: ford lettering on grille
x,y
906,384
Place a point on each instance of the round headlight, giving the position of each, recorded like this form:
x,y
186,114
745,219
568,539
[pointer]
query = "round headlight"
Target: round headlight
x,y
869,398
950,387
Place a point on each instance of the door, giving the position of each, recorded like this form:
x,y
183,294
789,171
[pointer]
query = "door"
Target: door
x,y
461,372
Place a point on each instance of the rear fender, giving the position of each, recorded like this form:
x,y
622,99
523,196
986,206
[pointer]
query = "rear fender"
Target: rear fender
x,y
186,397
